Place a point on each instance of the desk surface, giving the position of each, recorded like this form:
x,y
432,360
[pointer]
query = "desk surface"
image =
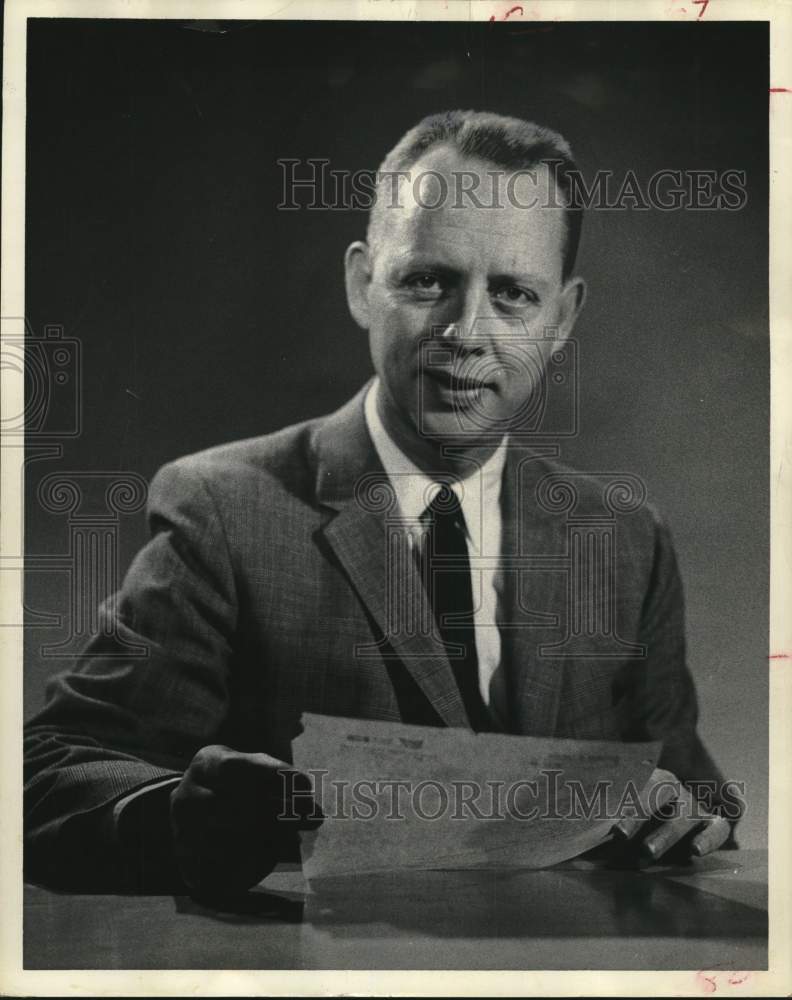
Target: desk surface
x,y
710,915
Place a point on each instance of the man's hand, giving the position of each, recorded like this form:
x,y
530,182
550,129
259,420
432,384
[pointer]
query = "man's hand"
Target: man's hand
x,y
231,813
671,817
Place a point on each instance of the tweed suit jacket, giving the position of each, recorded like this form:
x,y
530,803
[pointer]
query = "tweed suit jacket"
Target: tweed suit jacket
x,y
265,591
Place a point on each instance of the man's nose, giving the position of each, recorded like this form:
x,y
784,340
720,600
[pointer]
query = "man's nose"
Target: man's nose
x,y
468,308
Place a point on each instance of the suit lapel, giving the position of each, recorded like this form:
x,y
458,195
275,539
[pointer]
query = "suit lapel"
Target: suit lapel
x,y
370,544
533,599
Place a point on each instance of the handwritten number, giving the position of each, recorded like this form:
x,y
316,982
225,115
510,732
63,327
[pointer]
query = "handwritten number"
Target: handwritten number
x,y
513,10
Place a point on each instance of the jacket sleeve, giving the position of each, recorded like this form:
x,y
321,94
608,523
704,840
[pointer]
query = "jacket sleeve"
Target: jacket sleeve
x,y
663,704
119,722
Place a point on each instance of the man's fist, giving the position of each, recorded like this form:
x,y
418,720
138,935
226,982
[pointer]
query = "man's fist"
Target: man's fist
x,y
230,816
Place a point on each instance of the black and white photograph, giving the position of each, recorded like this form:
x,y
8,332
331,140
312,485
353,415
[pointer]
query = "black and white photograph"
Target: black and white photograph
x,y
388,408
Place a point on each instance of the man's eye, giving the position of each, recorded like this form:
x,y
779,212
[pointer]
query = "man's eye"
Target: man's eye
x,y
513,295
428,284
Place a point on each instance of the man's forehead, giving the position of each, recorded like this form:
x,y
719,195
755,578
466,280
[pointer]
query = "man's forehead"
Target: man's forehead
x,y
453,202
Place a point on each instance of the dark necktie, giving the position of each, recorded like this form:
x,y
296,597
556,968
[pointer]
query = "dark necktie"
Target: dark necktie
x,y
446,569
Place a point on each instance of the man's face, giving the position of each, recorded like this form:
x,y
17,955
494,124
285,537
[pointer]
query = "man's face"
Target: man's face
x,y
479,287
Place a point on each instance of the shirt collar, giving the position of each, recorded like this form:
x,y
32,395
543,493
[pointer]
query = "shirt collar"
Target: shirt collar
x,y
414,489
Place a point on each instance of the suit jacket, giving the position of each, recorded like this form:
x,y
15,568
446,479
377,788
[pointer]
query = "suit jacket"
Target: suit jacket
x,y
265,591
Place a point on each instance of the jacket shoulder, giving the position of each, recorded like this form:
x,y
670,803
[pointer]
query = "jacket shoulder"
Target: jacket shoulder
x,y
281,461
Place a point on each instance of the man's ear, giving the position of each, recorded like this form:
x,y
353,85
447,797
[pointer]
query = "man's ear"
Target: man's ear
x,y
357,271
573,297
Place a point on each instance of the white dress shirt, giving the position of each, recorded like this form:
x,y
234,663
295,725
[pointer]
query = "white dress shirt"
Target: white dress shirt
x,y
479,497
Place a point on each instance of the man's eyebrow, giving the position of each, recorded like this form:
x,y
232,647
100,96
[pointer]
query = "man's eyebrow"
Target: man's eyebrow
x,y
425,262
518,278
418,262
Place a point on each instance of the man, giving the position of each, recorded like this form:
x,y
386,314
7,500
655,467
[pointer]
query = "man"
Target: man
x,y
267,589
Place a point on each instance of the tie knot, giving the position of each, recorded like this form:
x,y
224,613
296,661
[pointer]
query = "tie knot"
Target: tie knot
x,y
445,509
445,501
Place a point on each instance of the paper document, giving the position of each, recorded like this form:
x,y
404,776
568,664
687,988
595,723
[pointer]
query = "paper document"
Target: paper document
x,y
397,796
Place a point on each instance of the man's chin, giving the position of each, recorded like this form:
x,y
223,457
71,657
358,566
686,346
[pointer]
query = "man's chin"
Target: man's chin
x,y
459,427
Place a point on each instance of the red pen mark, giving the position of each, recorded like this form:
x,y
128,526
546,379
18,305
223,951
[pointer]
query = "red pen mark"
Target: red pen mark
x,y
706,983
781,90
703,4
509,12
780,656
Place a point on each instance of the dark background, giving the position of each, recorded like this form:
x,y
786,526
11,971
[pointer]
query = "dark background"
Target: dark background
x,y
204,314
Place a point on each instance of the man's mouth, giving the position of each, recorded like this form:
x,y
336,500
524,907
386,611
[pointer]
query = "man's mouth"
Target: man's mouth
x,y
459,385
